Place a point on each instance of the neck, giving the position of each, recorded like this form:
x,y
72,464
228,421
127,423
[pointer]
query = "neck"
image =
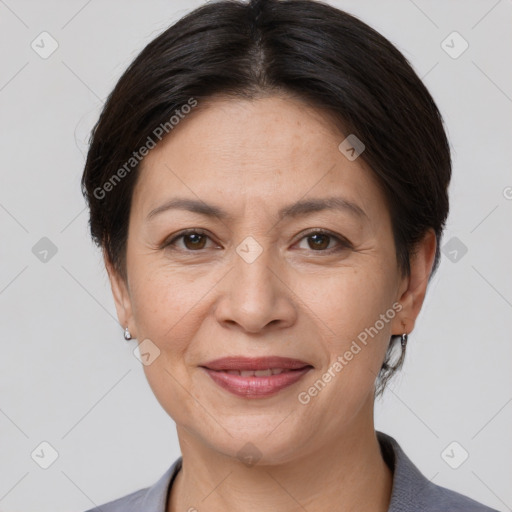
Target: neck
x,y
345,475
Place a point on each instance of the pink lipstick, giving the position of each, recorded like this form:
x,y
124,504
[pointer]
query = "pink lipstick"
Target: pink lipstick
x,y
256,377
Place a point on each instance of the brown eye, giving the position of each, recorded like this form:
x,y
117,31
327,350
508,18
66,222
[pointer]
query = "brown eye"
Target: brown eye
x,y
318,241
321,241
192,240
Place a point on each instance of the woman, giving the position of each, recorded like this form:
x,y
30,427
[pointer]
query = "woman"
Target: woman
x,y
268,182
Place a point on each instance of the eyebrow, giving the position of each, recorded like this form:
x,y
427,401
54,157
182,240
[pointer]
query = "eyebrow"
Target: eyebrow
x,y
300,208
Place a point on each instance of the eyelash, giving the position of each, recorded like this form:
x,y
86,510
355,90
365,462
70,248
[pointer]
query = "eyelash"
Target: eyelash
x,y
343,242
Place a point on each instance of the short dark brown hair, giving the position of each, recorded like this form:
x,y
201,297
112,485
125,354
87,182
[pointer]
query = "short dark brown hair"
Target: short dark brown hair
x,y
328,58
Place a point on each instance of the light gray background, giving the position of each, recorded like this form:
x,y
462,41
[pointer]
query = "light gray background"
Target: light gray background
x,y
67,377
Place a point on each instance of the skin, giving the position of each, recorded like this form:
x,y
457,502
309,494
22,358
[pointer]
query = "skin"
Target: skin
x,y
198,301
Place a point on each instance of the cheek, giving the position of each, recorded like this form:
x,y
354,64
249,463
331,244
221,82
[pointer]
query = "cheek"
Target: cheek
x,y
165,307
165,291
354,309
348,301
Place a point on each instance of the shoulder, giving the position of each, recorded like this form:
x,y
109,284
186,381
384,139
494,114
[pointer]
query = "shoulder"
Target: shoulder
x,y
412,491
445,500
130,502
148,499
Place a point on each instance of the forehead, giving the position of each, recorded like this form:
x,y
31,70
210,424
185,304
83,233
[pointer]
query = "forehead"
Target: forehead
x,y
269,150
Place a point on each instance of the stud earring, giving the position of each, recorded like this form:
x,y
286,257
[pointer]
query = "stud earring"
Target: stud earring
x,y
127,335
403,341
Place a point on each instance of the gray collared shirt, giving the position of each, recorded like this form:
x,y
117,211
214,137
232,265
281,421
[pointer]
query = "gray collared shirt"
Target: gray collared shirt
x,y
411,491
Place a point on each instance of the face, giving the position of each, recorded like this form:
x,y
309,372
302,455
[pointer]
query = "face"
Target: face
x,y
280,246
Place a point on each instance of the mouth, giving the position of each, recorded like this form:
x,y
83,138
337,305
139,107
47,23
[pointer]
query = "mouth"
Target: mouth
x,y
257,373
241,363
258,377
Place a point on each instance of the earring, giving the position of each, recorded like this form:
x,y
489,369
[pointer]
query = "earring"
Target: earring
x,y
403,341
127,335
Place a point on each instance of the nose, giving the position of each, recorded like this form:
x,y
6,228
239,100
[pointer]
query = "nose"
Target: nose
x,y
254,296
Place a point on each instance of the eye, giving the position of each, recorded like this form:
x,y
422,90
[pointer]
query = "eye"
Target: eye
x,y
318,240
321,241
193,240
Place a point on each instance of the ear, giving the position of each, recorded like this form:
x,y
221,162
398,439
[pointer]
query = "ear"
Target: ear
x,y
413,288
120,292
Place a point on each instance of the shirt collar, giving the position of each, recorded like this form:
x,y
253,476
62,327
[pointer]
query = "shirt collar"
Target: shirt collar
x,y
408,491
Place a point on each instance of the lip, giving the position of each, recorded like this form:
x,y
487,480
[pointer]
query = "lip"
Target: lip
x,y
255,363
256,387
253,386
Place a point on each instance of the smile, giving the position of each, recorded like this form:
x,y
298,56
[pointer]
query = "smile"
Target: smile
x,y
256,383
